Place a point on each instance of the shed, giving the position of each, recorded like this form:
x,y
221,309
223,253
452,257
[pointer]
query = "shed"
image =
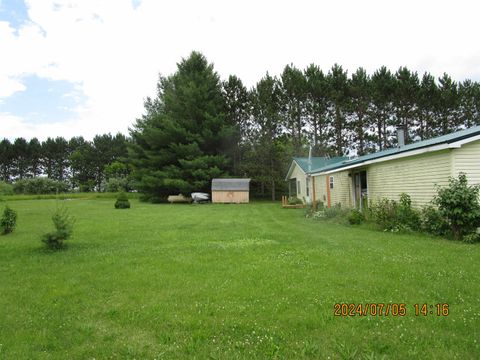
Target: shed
x,y
230,190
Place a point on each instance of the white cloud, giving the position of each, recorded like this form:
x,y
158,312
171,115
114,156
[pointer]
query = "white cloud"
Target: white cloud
x,y
114,51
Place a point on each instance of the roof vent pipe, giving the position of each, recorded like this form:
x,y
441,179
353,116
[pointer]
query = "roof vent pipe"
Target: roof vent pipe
x,y
310,159
400,137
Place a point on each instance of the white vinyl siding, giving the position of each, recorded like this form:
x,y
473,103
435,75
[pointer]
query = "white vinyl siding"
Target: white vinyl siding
x,y
415,175
467,160
298,174
341,192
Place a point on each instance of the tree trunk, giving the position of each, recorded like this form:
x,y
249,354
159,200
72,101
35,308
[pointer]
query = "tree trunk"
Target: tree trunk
x,y
273,190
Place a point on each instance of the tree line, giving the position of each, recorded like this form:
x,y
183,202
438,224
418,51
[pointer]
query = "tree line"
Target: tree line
x,y
84,165
198,127
256,131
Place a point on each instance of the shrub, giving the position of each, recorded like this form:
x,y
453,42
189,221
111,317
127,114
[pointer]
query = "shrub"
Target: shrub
x,y
122,201
39,185
63,223
336,211
471,238
458,203
8,220
384,213
116,185
432,221
355,217
293,200
406,215
6,188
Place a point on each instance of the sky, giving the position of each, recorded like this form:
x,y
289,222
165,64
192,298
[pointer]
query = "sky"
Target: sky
x,y
71,68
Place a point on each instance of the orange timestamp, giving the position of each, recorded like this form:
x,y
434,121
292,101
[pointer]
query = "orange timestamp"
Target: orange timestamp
x,y
389,309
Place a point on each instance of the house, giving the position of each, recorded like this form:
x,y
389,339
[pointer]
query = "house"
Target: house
x,y
299,178
414,169
230,190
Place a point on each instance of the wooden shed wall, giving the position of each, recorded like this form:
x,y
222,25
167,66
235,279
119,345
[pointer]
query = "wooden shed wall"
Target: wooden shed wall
x,y
230,196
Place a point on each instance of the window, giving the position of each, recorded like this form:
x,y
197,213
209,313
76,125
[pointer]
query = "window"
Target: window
x,y
299,190
308,187
331,182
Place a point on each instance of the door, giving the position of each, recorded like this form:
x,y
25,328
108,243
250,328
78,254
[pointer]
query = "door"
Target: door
x,y
360,189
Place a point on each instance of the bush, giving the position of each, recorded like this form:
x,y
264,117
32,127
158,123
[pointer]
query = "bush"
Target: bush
x,y
335,211
116,185
63,223
384,213
458,204
433,222
355,217
293,200
39,185
406,215
471,238
122,201
6,188
8,220
394,216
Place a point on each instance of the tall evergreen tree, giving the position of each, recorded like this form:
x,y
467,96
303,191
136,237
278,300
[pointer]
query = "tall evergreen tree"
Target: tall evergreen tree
x,y
338,94
265,160
7,157
21,158
383,85
427,103
177,145
237,110
293,88
447,105
405,100
360,99
34,157
316,109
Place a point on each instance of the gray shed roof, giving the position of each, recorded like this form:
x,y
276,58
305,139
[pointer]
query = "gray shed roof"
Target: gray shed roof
x,y
230,184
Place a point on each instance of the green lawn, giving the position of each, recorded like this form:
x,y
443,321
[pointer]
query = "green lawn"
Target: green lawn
x,y
228,282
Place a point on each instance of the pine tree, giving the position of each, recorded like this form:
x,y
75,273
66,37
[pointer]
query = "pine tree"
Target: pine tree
x,y
177,146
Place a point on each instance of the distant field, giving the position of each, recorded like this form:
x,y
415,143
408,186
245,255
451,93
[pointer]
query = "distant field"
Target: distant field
x,y
249,281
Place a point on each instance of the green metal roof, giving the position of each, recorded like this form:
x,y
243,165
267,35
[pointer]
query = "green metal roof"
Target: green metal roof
x,y
445,139
317,162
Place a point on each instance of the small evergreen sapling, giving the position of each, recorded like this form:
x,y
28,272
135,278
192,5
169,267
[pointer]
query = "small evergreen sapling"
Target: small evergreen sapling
x,y
122,201
8,221
63,223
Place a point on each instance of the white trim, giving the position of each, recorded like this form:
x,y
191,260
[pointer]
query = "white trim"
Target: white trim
x,y
459,143
424,150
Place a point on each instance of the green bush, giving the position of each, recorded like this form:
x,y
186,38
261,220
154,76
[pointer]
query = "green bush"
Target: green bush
x,y
6,188
336,211
394,216
432,221
293,200
458,204
116,185
471,238
406,215
122,201
8,220
355,217
384,214
63,223
39,185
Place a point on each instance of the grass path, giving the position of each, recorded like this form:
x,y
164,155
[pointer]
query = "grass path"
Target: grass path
x,y
228,282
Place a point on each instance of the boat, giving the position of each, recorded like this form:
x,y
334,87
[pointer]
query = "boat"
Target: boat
x,y
199,197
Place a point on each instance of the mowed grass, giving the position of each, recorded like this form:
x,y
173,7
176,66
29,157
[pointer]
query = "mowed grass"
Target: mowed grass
x,y
249,281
